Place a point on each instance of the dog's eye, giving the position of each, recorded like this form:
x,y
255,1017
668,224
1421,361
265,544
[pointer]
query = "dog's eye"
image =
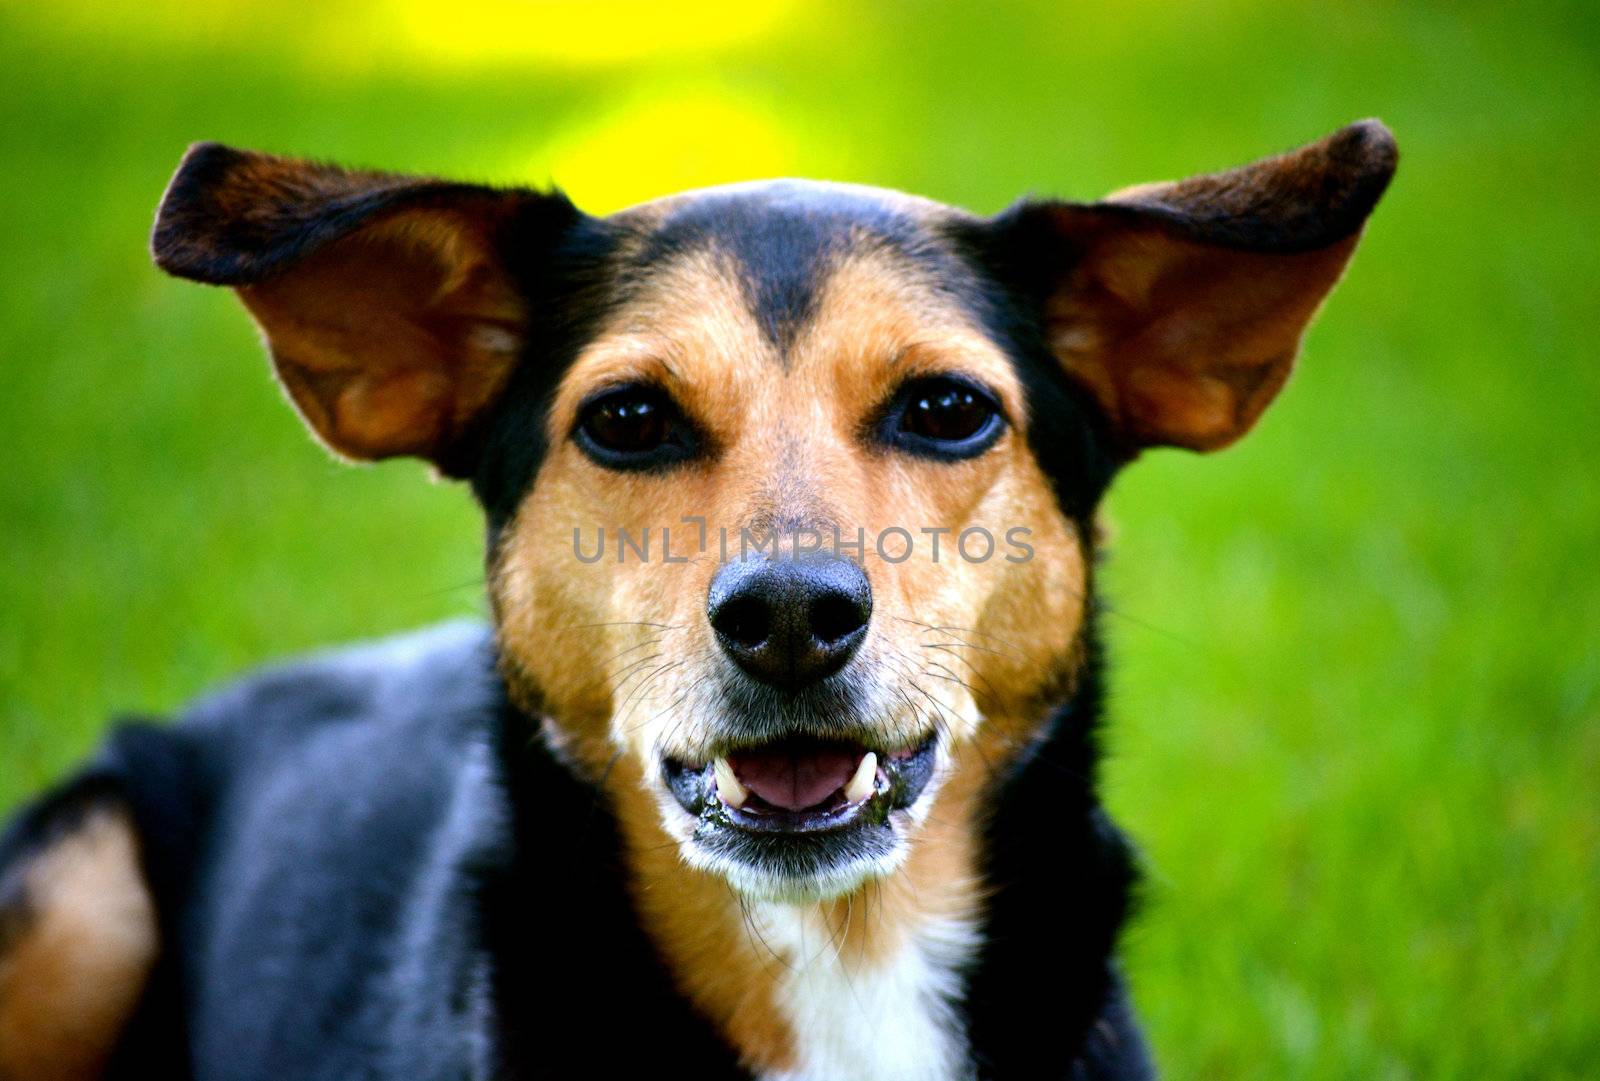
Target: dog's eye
x,y
626,424
948,412
632,428
946,418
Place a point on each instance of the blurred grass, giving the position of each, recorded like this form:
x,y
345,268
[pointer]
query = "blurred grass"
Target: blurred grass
x,y
1356,719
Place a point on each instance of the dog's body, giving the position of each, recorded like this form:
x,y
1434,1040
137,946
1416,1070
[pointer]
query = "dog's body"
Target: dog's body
x,y
705,815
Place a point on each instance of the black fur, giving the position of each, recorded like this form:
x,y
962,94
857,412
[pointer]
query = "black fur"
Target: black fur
x,y
1301,201
1011,270
1062,877
566,267
781,237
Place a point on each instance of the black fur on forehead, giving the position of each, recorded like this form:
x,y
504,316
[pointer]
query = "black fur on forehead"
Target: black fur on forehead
x,y
784,237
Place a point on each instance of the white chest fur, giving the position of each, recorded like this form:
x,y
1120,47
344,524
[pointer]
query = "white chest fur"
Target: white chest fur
x,y
891,1018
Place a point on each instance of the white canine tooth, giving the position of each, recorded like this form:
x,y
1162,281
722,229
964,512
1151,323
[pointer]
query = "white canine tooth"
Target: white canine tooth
x,y
860,786
729,790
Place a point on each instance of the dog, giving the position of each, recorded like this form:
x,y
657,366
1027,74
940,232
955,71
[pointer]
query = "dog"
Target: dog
x,y
742,780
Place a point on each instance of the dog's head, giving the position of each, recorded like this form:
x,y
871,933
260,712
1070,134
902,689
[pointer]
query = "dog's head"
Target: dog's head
x,y
789,484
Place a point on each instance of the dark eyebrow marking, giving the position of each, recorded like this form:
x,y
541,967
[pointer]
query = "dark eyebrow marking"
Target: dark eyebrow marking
x,y
784,238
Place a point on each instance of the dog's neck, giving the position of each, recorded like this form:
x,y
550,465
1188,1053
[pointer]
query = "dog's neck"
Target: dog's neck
x,y
932,968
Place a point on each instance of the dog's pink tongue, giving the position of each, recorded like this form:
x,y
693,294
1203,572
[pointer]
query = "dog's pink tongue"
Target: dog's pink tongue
x,y
795,778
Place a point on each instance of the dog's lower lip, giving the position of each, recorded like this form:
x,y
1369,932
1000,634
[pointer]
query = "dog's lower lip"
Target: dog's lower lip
x,y
800,785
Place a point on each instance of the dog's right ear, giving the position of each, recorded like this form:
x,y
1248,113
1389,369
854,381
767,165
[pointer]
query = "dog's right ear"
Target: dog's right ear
x,y
387,303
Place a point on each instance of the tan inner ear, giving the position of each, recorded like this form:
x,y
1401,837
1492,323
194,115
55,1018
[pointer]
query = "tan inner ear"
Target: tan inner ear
x,y
71,977
1182,343
390,340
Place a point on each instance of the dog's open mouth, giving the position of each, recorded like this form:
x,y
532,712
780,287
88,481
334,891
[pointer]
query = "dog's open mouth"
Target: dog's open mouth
x,y
801,785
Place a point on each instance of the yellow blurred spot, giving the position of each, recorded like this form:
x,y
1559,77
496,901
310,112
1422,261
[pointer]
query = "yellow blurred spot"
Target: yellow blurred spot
x,y
655,146
575,32
361,34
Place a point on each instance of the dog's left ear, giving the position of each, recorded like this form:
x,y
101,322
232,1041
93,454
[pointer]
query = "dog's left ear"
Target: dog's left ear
x,y
1180,306
387,302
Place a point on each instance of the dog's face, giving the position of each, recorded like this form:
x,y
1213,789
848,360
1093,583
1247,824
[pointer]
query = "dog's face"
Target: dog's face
x,y
799,392
789,484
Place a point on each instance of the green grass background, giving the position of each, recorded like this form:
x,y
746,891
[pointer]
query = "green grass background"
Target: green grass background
x,y
1356,713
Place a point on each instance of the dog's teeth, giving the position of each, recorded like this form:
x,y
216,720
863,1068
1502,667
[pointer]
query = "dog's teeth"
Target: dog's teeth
x,y
860,786
729,790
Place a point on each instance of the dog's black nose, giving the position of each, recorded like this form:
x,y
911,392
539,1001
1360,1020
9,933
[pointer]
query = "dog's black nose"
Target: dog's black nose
x,y
790,622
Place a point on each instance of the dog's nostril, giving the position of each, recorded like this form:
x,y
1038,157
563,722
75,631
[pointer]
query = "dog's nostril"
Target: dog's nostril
x,y
835,616
745,621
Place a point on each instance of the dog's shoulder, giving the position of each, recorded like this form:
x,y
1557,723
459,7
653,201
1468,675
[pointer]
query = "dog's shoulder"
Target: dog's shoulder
x,y
344,758
339,762
279,846
354,793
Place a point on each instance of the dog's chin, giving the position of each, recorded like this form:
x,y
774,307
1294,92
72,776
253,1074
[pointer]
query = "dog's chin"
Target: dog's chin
x,y
799,820
808,882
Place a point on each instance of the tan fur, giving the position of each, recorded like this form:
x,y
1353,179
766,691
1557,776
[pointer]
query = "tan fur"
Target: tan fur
x,y
72,976
697,922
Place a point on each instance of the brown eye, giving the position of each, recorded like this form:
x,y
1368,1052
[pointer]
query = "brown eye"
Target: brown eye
x,y
948,417
626,424
635,427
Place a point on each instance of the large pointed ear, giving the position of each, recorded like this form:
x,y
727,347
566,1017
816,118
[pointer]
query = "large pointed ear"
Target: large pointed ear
x,y
1180,306
388,303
